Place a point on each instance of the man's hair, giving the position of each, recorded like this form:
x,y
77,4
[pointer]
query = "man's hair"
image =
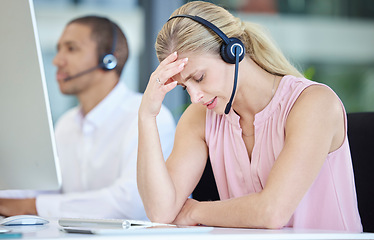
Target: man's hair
x,y
102,32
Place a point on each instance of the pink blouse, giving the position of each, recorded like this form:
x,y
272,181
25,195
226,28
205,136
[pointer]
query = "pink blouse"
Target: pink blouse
x,y
331,201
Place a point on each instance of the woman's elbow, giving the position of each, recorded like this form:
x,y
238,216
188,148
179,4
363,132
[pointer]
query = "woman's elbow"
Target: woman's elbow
x,y
275,223
275,218
161,217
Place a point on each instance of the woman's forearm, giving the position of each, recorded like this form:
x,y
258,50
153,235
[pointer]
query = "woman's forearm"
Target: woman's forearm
x,y
251,211
154,183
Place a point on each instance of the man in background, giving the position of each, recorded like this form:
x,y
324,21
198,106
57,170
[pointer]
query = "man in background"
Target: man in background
x,y
97,140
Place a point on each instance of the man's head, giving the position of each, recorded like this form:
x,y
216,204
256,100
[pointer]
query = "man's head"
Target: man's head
x,y
102,32
83,43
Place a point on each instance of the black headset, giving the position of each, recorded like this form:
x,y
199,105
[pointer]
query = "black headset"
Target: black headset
x,y
106,62
232,50
109,61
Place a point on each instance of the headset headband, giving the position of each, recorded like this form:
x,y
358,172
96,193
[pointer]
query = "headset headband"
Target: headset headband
x,y
206,23
232,50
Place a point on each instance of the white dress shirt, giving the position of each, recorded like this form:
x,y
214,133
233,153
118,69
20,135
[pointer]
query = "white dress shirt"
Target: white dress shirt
x,y
98,155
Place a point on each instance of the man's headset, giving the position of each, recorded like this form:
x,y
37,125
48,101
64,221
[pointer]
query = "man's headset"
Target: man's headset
x,y
106,62
232,50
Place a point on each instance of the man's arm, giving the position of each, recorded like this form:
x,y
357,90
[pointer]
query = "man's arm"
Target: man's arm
x,y
11,207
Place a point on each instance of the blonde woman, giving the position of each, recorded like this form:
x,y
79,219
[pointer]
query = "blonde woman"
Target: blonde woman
x,y
278,148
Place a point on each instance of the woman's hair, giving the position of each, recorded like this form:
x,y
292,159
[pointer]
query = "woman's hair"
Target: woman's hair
x,y
186,35
102,32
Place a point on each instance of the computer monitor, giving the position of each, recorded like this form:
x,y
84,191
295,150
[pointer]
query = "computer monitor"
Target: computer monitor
x,y
28,158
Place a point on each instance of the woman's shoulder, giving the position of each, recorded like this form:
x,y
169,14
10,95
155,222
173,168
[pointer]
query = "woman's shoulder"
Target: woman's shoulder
x,y
193,119
318,102
320,96
194,114
309,92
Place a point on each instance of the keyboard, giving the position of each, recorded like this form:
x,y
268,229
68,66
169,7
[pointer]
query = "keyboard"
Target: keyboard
x,y
112,223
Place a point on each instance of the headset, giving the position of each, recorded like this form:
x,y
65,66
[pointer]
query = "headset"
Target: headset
x,y
106,62
232,50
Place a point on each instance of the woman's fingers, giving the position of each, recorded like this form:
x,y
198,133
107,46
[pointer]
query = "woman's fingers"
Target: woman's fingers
x,y
160,83
170,86
166,72
171,58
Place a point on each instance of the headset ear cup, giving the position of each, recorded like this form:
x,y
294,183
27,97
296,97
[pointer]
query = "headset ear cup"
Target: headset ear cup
x,y
225,55
108,62
228,52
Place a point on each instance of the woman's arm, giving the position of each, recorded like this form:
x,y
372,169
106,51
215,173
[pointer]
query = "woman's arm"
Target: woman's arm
x,y
164,189
190,153
314,128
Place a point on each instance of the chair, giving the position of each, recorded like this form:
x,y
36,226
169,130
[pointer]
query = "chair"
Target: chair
x,y
206,189
361,142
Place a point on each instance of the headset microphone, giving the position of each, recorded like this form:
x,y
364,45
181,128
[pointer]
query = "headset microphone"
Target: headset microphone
x,y
232,50
82,73
228,106
106,62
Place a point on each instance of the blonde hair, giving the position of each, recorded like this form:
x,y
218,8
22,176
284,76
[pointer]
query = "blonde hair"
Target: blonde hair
x,y
186,35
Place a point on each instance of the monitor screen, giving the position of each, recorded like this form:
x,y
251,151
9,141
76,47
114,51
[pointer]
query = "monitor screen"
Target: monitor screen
x,y
28,158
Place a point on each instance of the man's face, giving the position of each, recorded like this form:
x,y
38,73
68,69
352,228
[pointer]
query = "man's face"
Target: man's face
x,y
76,52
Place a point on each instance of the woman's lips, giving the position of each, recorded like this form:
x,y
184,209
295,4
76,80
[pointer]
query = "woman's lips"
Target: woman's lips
x,y
212,104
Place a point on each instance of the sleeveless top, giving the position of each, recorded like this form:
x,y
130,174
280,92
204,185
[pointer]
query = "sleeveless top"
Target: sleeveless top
x,y
331,201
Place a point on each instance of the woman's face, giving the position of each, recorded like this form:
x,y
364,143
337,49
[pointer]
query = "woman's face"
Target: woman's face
x,y
208,80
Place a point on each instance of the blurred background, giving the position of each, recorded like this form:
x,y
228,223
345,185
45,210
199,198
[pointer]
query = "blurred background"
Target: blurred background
x,y
330,41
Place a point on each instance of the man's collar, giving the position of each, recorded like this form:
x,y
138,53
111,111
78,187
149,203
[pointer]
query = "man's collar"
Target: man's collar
x,y
105,108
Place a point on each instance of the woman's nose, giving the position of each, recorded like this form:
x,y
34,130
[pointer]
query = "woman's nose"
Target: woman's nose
x,y
195,94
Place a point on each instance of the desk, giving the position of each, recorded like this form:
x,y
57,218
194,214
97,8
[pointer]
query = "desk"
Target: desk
x,y
51,232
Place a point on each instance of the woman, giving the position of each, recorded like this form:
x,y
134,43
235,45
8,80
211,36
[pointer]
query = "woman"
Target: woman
x,y
280,156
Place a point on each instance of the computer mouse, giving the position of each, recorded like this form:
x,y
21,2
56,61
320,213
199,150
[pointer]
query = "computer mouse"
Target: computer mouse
x,y
4,230
23,220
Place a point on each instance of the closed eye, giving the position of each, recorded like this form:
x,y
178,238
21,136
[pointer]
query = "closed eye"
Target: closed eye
x,y
200,79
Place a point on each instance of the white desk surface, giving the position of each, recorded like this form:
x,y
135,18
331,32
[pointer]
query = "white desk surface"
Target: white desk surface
x,y
52,231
